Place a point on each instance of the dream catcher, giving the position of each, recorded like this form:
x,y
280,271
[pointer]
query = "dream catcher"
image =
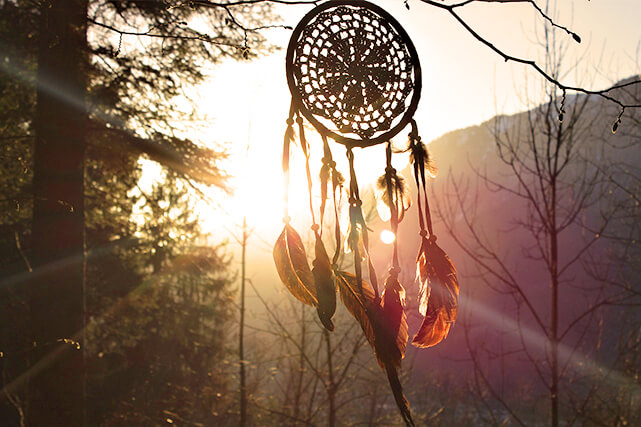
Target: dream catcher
x,y
354,75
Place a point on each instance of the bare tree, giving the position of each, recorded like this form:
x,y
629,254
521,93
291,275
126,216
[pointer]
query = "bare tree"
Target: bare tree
x,y
316,374
548,196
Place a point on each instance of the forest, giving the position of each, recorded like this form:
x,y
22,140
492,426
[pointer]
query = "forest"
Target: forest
x,y
146,278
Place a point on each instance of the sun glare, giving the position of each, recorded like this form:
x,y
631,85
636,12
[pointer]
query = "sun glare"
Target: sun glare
x,y
387,237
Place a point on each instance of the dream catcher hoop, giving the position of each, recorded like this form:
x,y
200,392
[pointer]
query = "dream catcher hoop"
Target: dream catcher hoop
x,y
353,72
355,76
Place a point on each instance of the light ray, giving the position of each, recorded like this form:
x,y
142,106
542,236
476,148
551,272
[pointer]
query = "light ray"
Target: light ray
x,y
573,358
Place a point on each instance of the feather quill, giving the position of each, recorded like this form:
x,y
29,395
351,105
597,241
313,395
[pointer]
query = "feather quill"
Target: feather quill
x,y
293,269
438,295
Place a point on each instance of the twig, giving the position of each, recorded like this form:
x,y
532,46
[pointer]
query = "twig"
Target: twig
x,y
451,9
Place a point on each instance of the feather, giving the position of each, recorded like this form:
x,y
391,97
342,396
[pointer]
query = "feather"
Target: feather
x,y
383,321
353,241
325,287
380,330
399,191
356,232
356,301
438,295
293,269
327,170
337,177
390,336
421,155
392,303
399,397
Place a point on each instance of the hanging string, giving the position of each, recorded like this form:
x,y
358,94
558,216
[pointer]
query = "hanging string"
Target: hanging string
x,y
439,287
393,196
359,228
325,172
353,184
289,136
304,146
337,227
420,159
329,168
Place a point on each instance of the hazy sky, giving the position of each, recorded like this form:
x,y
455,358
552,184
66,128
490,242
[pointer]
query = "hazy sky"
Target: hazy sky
x,y
464,83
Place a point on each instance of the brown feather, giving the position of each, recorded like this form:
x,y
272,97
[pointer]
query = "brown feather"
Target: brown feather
x,y
399,397
355,302
438,297
293,269
325,287
381,331
392,303
390,332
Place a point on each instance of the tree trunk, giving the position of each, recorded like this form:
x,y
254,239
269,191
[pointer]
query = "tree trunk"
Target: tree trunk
x,y
241,333
554,273
56,393
331,384
554,341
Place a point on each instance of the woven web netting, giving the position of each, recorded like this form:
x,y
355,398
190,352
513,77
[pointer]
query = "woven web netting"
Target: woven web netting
x,y
353,71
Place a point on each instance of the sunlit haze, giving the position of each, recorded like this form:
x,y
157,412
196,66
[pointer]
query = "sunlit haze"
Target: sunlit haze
x,y
158,268
464,83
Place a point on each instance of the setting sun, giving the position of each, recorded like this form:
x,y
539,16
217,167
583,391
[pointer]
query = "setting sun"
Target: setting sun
x,y
387,237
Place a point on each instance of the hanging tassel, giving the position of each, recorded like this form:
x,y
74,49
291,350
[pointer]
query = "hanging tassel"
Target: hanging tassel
x,y
325,285
358,239
305,148
382,319
327,171
355,241
393,191
289,253
337,184
324,175
287,140
391,184
393,298
386,316
439,287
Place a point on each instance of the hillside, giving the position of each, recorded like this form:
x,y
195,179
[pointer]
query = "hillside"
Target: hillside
x,y
477,193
